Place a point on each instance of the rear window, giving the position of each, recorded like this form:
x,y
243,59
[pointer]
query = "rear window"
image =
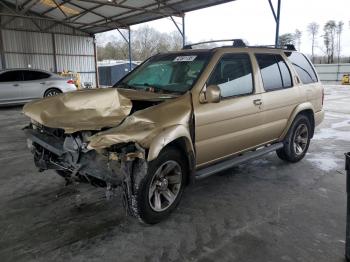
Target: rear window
x,y
303,67
274,72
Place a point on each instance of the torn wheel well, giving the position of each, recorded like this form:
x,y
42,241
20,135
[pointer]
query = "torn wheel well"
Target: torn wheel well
x,y
181,144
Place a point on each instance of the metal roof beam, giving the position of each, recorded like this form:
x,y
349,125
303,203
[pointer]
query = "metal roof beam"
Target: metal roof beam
x,y
48,19
131,11
59,7
53,8
132,8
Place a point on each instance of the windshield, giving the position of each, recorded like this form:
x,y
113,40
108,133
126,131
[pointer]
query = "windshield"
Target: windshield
x,y
167,73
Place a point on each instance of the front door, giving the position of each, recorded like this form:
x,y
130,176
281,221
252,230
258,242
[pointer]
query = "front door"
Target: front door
x,y
10,89
230,126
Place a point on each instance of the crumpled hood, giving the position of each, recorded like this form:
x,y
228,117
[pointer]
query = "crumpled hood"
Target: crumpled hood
x,y
89,109
80,110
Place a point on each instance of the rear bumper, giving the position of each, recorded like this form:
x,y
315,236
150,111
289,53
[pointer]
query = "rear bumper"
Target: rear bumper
x,y
319,116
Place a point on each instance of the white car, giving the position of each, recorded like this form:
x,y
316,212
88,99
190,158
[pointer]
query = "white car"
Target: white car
x,y
18,86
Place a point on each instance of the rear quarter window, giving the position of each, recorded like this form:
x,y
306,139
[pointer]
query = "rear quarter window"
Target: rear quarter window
x,y
303,67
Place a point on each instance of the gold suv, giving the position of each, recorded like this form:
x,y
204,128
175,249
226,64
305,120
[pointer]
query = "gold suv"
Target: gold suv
x,y
178,117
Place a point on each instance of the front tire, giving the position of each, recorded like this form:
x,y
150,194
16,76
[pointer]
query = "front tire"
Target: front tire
x,y
297,140
160,191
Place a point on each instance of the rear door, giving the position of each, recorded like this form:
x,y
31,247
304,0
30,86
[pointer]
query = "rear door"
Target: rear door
x,y
34,84
280,97
10,90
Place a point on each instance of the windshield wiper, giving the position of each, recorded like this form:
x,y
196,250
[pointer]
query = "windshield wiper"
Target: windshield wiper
x,y
158,89
125,85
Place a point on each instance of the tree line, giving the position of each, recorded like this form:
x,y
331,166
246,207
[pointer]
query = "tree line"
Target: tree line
x,y
331,44
145,42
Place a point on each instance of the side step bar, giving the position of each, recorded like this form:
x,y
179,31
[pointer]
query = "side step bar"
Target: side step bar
x,y
226,164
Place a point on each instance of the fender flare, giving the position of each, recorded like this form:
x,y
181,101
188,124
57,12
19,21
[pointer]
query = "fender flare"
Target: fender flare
x,y
296,111
167,136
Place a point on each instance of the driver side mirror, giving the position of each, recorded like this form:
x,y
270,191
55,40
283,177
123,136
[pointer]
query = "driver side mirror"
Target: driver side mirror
x,y
211,95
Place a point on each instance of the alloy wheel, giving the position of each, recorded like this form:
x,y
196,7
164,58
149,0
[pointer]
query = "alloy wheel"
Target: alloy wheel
x,y
301,138
165,186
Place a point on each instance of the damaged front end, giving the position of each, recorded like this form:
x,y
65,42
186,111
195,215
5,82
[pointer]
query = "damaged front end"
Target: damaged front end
x,y
106,142
68,155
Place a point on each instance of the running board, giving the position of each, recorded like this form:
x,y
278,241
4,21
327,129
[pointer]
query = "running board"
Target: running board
x,y
250,155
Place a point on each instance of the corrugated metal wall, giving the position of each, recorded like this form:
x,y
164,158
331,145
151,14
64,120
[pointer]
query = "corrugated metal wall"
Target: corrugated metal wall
x,y
332,73
58,48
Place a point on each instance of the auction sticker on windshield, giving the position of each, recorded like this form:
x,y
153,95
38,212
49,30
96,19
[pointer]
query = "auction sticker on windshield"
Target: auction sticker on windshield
x,y
186,58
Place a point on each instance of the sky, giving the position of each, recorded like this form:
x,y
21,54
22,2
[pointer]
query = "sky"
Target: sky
x,y
253,21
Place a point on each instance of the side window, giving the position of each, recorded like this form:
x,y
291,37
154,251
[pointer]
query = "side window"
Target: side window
x,y
11,76
233,74
274,72
285,73
34,75
303,67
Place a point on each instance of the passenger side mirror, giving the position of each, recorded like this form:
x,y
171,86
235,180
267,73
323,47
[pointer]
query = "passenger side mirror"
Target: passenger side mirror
x,y
211,95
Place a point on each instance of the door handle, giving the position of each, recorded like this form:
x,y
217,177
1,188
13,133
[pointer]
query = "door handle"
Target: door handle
x,y
42,83
257,102
15,84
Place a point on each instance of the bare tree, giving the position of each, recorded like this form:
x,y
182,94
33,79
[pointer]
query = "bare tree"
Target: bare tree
x,y
146,41
340,26
329,36
297,38
312,29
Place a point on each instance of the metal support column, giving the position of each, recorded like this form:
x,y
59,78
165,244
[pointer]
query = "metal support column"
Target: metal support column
x,y
54,53
277,19
96,65
278,23
129,43
181,31
2,50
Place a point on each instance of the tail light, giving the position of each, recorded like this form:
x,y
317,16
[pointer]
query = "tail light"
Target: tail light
x,y
70,81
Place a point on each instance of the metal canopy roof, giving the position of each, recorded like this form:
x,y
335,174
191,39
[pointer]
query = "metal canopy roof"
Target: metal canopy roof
x,y
95,16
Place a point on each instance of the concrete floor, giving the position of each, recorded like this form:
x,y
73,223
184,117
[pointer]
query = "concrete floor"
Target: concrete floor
x,y
265,210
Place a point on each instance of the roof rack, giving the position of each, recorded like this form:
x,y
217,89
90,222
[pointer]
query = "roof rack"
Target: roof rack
x,y
236,43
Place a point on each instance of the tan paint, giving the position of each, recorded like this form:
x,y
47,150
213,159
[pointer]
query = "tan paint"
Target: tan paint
x,y
222,129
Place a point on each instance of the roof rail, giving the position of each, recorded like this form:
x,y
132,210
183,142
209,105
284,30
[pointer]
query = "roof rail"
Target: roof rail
x,y
236,43
290,47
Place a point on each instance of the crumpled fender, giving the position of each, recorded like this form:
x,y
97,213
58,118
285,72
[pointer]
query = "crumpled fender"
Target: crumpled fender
x,y
167,136
152,128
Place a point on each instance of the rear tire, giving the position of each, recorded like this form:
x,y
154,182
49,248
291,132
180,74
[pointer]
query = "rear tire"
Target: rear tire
x,y
160,191
52,92
297,141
